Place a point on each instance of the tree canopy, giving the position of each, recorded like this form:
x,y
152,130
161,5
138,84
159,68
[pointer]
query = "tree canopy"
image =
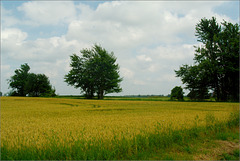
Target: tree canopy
x,y
39,85
177,93
18,81
94,72
216,64
24,83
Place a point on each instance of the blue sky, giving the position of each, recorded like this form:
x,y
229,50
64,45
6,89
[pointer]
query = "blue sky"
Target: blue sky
x,y
149,39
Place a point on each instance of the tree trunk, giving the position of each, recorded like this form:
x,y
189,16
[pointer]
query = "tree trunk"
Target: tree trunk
x,y
100,94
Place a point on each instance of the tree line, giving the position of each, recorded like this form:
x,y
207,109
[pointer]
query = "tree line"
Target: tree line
x,y
96,73
24,83
216,62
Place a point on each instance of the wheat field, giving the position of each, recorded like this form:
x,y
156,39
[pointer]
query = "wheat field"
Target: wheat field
x,y
39,122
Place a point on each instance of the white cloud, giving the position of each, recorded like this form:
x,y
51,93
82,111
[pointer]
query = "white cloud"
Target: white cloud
x,y
139,82
149,39
13,35
153,68
48,13
126,73
49,56
170,52
144,58
130,24
167,78
6,70
5,67
7,19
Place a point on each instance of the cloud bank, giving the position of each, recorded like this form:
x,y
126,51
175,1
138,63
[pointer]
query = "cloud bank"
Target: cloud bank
x,y
149,39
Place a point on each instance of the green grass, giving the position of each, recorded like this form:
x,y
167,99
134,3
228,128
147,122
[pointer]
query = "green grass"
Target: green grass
x,y
167,144
137,98
232,156
124,98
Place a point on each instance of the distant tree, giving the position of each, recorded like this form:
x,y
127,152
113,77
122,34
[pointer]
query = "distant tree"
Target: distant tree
x,y
18,81
177,93
94,72
216,65
39,85
24,83
196,82
0,94
10,93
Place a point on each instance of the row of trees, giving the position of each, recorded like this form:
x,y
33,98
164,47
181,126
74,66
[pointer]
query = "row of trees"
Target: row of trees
x,y
216,66
96,73
24,83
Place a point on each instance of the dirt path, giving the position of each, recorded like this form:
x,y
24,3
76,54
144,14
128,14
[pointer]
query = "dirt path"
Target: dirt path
x,y
218,151
203,149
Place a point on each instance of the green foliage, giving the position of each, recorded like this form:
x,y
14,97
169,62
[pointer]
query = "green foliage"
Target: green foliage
x,y
39,85
234,119
177,93
95,72
198,94
24,83
216,62
18,81
230,156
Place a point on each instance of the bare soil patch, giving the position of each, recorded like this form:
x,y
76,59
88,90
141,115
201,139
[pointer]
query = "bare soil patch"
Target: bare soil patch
x,y
217,150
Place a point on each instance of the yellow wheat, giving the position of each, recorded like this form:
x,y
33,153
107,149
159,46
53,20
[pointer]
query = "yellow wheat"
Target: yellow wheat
x,y
35,121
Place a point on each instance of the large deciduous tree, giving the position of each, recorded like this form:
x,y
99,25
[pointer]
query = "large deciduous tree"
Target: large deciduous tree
x,y
94,72
216,65
24,83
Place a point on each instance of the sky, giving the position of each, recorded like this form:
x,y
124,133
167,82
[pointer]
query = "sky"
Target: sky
x,y
150,39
